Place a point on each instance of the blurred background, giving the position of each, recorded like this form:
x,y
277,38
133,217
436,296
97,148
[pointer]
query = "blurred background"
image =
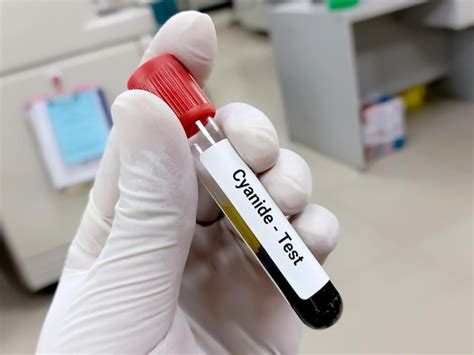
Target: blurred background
x,y
376,95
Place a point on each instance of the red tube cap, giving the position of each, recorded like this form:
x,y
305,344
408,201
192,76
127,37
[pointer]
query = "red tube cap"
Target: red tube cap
x,y
167,78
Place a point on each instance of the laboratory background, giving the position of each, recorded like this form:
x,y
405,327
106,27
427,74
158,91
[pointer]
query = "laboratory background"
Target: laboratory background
x,y
376,95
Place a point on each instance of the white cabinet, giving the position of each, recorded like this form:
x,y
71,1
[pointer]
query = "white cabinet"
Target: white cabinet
x,y
37,32
37,221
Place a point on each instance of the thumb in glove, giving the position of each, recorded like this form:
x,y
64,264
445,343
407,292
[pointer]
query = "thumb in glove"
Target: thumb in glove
x,y
131,289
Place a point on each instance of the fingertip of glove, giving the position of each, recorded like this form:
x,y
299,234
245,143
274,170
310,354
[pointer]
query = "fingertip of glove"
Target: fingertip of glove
x,y
251,133
191,37
195,20
319,227
289,182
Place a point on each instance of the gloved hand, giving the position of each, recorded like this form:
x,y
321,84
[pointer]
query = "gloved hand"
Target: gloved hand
x,y
154,267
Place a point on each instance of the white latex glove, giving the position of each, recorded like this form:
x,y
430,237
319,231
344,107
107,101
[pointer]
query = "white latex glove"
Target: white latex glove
x,y
154,266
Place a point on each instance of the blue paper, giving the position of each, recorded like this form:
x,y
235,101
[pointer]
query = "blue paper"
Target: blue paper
x,y
79,121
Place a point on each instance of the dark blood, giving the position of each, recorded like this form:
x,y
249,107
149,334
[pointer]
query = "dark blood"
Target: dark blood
x,y
319,311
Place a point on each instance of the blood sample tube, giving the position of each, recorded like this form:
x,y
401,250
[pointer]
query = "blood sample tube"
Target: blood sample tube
x,y
243,199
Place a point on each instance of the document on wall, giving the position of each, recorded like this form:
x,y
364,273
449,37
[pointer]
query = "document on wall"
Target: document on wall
x,y
71,131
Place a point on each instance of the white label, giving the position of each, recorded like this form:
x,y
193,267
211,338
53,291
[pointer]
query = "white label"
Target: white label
x,y
264,218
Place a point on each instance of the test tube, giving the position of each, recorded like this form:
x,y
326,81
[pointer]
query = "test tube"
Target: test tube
x,y
236,189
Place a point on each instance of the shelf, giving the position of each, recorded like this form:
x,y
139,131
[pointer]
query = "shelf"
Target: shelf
x,y
392,55
366,9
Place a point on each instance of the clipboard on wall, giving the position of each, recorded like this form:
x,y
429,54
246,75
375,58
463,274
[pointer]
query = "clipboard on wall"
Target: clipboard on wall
x,y
71,130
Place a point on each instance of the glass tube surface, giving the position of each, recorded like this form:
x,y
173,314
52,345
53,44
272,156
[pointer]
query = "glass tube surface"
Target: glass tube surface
x,y
323,308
